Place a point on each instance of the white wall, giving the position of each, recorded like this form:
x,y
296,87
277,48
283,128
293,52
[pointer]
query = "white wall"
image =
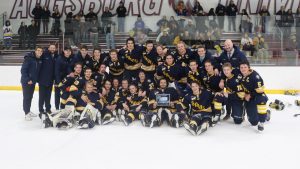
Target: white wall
x,y
276,78
21,9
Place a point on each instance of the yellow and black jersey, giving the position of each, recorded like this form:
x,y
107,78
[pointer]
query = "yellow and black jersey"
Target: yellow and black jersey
x,y
198,103
132,59
234,88
149,60
211,82
253,84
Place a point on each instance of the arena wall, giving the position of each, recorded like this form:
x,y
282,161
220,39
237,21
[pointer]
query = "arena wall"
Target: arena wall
x,y
277,79
20,10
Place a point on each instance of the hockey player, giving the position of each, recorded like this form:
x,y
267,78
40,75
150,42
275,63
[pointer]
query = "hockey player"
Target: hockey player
x,y
182,55
63,68
134,106
132,59
198,104
144,84
100,76
66,84
123,93
115,64
83,57
115,85
171,113
194,73
211,83
175,74
161,54
255,97
109,103
88,106
149,60
97,59
235,94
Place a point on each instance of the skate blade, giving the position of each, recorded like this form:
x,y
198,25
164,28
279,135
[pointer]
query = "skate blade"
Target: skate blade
x,y
187,127
109,121
124,120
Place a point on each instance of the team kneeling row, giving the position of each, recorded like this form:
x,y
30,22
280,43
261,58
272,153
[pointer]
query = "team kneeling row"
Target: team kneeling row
x,y
85,106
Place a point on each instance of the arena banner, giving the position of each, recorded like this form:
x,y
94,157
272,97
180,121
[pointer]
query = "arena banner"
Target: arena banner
x,y
21,9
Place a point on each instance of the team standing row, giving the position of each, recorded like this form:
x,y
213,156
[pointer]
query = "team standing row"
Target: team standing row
x,y
198,85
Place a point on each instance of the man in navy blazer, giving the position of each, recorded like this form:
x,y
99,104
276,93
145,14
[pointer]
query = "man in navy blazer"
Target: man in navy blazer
x,y
29,77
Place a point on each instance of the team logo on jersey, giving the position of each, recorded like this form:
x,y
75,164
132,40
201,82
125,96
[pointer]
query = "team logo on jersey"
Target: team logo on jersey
x,y
257,77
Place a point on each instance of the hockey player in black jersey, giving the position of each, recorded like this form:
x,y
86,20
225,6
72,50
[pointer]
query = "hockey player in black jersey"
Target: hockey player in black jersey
x,y
83,57
67,82
144,84
97,59
134,106
99,77
235,94
109,103
115,64
175,74
211,82
198,104
64,118
164,104
182,54
161,54
255,97
123,93
132,59
194,74
149,60
88,105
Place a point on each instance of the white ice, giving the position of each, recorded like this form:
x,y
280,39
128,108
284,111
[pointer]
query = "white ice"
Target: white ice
x,y
25,145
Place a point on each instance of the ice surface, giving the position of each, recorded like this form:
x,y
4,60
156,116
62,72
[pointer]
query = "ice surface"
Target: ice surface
x,y
25,145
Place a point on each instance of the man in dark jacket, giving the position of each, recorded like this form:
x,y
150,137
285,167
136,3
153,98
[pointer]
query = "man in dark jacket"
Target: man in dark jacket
x,y
22,31
37,12
234,56
63,68
231,54
29,76
91,15
83,57
231,12
220,12
46,78
121,11
201,56
32,31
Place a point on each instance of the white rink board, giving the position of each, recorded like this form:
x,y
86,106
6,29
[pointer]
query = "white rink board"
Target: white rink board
x,y
276,78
